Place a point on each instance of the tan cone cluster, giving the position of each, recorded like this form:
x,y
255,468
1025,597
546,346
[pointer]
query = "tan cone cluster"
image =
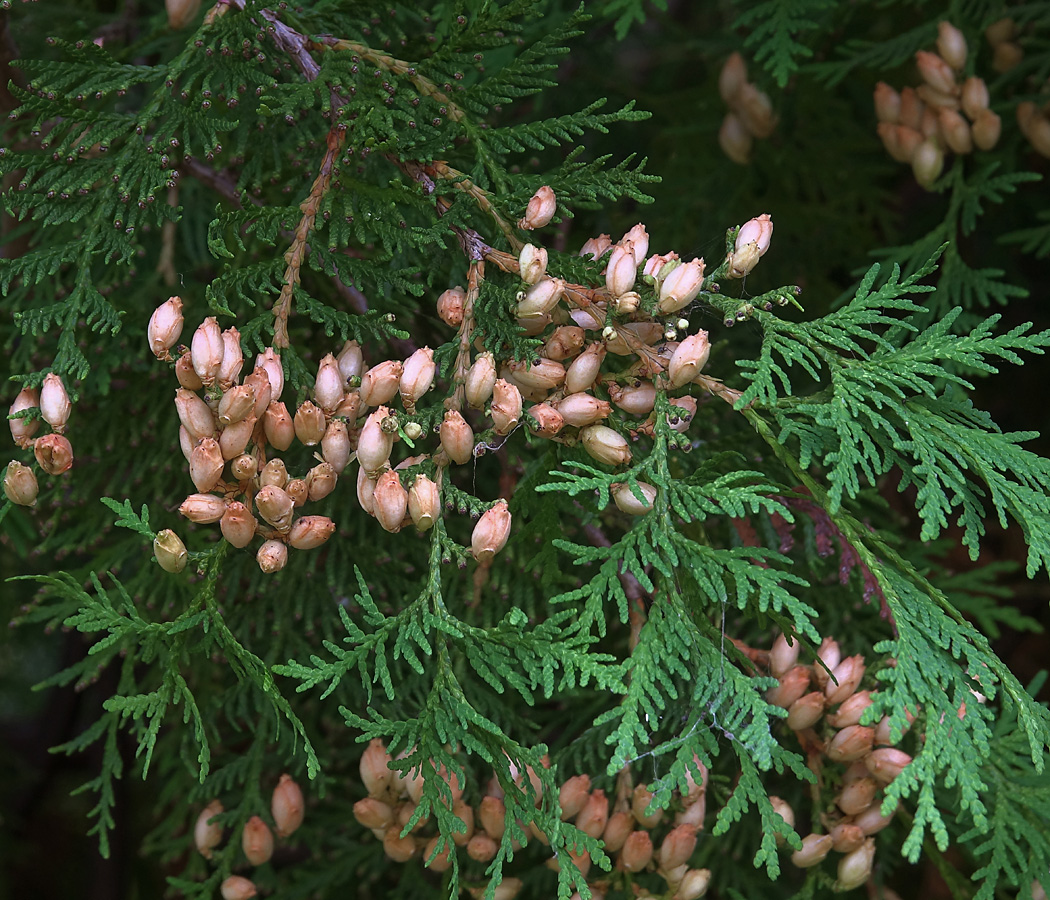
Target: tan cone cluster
x,y
942,115
257,839
825,713
53,452
639,840
1002,38
229,434
750,113
609,349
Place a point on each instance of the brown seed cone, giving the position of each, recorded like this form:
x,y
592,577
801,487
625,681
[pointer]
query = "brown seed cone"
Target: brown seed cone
x,y
238,524
287,806
399,849
257,841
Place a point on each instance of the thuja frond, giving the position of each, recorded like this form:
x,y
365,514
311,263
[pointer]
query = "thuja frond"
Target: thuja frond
x,y
628,12
879,55
945,667
891,401
775,32
987,185
1014,845
1034,240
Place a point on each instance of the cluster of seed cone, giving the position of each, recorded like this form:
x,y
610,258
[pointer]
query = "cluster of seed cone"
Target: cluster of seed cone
x,y
257,838
918,126
608,349
750,113
229,436
604,346
53,452
825,714
638,840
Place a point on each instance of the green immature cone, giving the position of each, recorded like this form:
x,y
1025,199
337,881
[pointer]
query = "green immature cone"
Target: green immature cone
x,y
170,551
20,485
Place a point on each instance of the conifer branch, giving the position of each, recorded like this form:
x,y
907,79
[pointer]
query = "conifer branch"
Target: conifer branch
x,y
394,66
460,181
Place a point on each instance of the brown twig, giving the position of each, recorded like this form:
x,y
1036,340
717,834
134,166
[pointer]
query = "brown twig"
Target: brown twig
x,y
444,171
475,277
297,251
394,66
220,182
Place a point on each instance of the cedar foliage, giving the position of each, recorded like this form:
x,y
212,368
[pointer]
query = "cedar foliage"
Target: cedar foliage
x,y
394,147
